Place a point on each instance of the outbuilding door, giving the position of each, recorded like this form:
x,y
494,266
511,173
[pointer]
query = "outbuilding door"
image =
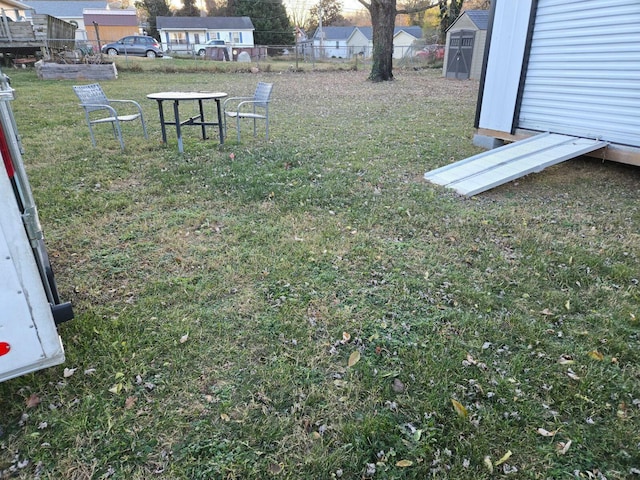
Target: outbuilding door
x,y
460,54
583,70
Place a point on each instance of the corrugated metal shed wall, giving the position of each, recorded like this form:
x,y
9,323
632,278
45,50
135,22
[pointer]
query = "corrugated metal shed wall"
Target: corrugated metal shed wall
x,y
583,76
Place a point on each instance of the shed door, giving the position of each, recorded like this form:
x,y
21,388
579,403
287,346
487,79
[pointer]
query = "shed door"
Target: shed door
x,y
460,54
583,71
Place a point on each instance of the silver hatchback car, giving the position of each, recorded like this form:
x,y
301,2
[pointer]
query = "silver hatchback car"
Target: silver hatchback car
x,y
140,45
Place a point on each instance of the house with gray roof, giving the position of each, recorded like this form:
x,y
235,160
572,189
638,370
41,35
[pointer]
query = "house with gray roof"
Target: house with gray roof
x,y
70,11
182,33
345,42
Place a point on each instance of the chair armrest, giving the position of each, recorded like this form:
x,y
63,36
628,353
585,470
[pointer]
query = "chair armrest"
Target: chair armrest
x,y
235,98
128,101
99,106
250,102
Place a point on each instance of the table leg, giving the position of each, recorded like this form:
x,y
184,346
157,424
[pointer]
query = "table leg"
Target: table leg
x,y
220,121
178,131
204,134
162,125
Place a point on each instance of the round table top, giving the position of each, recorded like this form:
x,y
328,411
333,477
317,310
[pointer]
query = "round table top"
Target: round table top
x,y
186,95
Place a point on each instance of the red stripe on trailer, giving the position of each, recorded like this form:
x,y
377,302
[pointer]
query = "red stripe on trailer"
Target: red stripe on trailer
x,y
6,154
4,348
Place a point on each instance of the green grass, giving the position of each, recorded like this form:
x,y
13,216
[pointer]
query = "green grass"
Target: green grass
x,y
280,261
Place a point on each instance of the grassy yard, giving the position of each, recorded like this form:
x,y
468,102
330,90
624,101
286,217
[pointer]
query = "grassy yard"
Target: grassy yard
x,y
311,308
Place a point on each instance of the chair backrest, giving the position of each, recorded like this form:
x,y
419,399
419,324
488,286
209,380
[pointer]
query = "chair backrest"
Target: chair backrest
x,y
263,93
91,95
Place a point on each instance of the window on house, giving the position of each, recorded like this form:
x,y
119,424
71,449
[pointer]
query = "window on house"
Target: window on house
x,y
177,38
235,37
337,44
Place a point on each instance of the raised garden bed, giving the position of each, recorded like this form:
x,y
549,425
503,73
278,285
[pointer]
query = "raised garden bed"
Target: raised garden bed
x,y
80,71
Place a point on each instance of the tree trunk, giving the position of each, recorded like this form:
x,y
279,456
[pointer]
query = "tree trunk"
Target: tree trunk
x,y
383,20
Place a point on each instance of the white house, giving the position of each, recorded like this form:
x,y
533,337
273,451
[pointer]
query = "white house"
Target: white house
x,y
182,33
331,42
69,11
345,42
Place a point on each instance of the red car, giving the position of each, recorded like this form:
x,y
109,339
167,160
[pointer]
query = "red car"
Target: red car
x,y
431,52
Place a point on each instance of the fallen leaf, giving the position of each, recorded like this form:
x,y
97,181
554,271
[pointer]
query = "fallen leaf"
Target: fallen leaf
x,y
404,463
572,375
275,468
459,408
596,355
224,417
567,305
563,447
90,371
546,433
504,458
68,372
397,385
471,360
33,401
184,338
565,360
546,311
130,402
116,388
488,464
354,358
346,336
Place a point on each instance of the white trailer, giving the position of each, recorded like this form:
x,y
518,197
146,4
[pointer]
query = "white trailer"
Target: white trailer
x,y
29,300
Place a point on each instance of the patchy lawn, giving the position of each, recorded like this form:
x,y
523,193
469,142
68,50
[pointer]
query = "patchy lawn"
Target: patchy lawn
x,y
312,308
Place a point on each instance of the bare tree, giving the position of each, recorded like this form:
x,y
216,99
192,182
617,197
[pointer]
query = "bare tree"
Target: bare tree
x,y
329,10
383,21
383,18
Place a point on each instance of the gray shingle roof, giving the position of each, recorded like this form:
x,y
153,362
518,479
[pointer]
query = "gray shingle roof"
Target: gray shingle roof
x,y
343,33
479,17
335,33
68,8
210,23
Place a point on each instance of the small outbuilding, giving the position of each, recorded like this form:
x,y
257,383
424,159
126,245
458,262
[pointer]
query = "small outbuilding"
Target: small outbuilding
x,y
465,44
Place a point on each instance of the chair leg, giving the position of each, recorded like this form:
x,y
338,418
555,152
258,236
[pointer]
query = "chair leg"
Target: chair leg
x,y
144,127
238,127
119,131
93,140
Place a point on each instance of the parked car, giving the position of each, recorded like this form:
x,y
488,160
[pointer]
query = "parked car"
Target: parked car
x,y
139,45
201,48
431,52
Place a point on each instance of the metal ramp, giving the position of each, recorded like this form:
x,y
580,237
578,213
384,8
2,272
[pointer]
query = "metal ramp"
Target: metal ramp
x,y
495,167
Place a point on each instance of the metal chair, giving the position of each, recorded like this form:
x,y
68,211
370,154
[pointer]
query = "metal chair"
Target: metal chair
x,y
93,99
255,107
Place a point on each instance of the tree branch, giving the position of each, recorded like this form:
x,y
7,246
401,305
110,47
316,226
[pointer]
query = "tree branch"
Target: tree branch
x,y
365,4
407,11
417,8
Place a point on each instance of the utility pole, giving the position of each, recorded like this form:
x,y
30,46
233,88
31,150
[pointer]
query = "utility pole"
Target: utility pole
x,y
320,30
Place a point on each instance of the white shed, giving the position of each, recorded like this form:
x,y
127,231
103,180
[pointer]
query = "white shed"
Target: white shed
x,y
562,74
565,66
